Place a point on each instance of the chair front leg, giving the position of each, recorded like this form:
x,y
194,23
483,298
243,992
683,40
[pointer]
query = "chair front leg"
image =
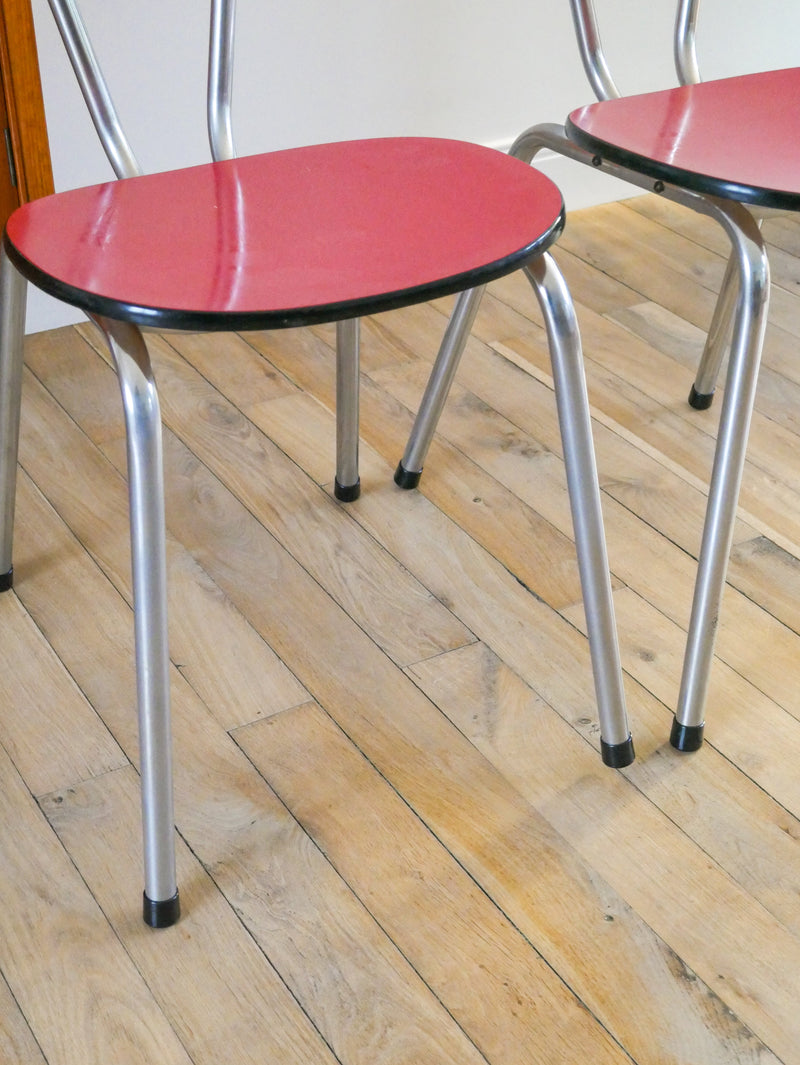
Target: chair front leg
x,y
347,486
737,408
148,555
13,290
587,518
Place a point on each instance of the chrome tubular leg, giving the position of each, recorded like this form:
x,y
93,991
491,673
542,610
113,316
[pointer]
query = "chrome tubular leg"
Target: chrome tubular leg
x,y
587,517
220,79
547,135
737,408
409,470
148,553
13,289
702,392
348,484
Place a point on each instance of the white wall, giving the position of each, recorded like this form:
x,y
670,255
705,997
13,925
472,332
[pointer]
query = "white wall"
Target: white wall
x,y
310,70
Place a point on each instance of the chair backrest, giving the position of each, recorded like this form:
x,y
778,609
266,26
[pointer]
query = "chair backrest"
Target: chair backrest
x,y
593,57
101,106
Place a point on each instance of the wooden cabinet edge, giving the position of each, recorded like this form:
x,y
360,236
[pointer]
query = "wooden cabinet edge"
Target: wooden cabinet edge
x,y
21,80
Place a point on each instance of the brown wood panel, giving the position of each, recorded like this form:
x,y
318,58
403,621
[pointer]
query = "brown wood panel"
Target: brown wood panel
x,y
9,199
22,90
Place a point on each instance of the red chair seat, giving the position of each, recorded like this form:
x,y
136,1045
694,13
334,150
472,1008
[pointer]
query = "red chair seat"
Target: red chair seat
x,y
738,138
290,237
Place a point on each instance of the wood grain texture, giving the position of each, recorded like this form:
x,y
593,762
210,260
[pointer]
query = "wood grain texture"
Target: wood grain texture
x,y
9,197
245,1012
82,996
462,945
396,840
19,74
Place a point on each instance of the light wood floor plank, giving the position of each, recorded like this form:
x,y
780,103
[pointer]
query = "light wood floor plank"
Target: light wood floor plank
x,y
17,1042
80,994
521,740
431,909
244,1012
55,741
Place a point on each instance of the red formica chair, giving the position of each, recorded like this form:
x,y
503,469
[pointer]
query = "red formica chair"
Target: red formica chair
x,y
289,238
728,149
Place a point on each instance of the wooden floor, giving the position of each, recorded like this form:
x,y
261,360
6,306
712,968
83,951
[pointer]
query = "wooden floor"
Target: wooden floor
x,y
397,842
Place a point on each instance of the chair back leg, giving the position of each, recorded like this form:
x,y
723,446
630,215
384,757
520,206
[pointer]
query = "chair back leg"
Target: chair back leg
x,y
149,567
13,291
719,333
584,493
409,470
348,339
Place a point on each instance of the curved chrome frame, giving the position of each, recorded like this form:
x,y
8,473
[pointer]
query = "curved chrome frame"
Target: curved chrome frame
x,y
684,49
587,32
220,79
591,51
93,85
574,421
749,257
740,314
149,570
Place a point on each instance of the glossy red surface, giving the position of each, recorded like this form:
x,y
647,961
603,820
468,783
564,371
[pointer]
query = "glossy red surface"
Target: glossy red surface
x,y
736,137
314,227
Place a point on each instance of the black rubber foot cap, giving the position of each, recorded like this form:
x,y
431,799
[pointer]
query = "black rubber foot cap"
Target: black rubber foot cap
x,y
346,493
7,580
700,400
161,914
404,478
686,737
617,755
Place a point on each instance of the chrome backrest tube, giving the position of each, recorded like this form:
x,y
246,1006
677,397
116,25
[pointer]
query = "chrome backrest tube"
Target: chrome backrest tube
x,y
94,88
685,44
98,97
220,79
594,61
